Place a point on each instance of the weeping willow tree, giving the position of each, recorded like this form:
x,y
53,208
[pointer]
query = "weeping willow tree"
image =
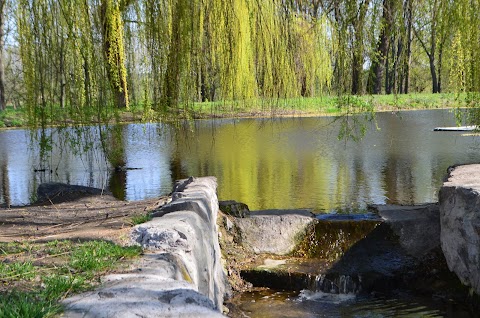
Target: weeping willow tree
x,y
73,60
114,48
231,50
465,61
78,55
81,59
73,67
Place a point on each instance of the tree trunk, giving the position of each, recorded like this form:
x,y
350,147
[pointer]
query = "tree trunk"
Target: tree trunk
x,y
396,82
388,76
433,73
356,72
379,63
5,185
358,49
2,44
440,61
379,66
409,47
171,84
114,50
439,81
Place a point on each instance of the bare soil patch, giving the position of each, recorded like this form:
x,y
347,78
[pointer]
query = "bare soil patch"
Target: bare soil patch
x,y
83,217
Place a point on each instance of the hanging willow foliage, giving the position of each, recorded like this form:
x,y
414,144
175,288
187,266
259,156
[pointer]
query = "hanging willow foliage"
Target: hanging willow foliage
x,y
66,63
465,61
79,55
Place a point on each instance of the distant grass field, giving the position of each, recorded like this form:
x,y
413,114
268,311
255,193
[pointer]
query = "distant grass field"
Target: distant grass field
x,y
326,105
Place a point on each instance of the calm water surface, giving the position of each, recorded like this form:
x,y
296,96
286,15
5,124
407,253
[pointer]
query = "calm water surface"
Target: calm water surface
x,y
277,304
266,163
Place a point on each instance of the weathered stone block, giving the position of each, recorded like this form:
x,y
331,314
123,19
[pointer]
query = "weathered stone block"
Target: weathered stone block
x,y
459,200
55,192
181,274
273,231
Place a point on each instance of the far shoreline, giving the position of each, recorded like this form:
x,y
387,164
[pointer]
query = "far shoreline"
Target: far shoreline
x,y
325,106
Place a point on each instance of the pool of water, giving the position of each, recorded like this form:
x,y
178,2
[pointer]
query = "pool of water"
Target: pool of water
x,y
277,163
306,304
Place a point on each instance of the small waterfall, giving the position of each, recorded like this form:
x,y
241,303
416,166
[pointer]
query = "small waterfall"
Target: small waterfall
x,y
340,284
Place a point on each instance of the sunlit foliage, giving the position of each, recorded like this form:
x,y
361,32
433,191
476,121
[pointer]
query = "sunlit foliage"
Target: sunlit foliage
x,y
465,61
77,56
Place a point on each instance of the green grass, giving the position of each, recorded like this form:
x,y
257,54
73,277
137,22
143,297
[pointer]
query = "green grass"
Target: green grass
x,y
11,117
330,105
99,255
324,105
34,277
17,270
27,304
139,219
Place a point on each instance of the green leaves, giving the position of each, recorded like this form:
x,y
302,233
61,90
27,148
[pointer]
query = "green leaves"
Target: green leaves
x,y
77,56
356,115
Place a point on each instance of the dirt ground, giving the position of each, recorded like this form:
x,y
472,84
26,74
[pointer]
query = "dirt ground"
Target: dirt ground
x,y
83,218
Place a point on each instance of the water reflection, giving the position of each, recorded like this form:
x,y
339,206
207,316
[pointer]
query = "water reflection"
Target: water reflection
x,y
266,163
297,163
269,303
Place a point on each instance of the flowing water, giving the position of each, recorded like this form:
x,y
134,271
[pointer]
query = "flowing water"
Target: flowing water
x,y
283,163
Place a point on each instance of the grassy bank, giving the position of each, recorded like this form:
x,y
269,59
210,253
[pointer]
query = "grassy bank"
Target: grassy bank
x,y
11,117
312,106
327,105
34,277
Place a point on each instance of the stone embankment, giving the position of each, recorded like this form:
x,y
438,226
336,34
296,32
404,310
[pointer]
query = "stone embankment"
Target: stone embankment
x,y
460,223
394,247
181,273
273,231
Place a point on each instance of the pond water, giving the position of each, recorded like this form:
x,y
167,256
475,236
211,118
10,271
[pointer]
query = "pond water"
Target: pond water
x,y
277,163
265,163
276,304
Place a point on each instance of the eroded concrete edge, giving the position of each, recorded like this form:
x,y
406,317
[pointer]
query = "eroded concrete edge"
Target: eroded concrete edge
x,y
181,274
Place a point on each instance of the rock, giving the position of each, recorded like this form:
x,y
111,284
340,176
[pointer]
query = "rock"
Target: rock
x,y
185,236
199,199
417,227
55,192
459,200
234,208
227,223
273,231
153,289
378,261
181,274
398,249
